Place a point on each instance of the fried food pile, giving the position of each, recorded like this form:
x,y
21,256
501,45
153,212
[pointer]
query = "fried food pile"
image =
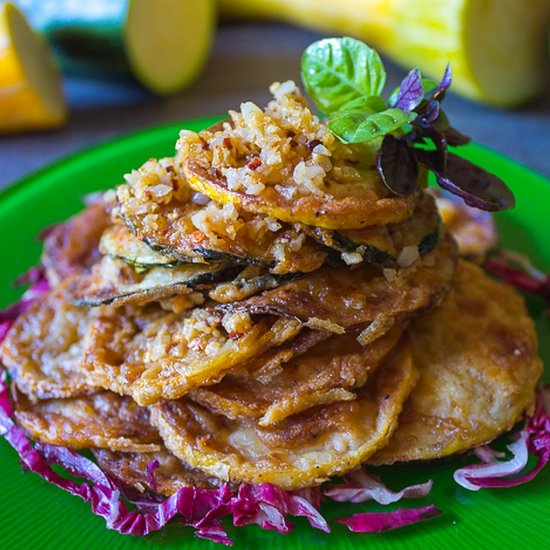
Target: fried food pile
x,y
261,308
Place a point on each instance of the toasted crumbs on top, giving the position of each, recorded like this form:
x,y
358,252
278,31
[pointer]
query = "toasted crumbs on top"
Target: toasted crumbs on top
x,y
285,147
158,183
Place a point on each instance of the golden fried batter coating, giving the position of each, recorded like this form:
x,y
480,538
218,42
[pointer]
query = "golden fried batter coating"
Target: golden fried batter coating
x,y
152,355
478,363
350,298
169,476
302,450
72,247
43,349
323,375
102,420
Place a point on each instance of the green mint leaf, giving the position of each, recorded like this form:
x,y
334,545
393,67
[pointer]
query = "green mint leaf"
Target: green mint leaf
x,y
357,126
336,71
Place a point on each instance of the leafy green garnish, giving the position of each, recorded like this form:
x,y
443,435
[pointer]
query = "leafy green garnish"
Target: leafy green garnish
x,y
357,126
336,71
345,79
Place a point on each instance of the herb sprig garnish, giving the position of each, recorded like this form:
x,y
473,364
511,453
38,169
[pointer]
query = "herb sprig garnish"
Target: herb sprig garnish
x,y
345,79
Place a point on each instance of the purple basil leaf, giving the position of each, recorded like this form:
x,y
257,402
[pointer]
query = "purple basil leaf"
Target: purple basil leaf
x,y
439,92
430,113
435,160
397,166
474,185
410,92
454,137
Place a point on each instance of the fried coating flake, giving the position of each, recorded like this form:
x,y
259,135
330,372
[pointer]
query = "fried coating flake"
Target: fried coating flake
x,y
161,209
101,420
113,281
302,450
478,363
72,247
350,298
323,375
43,348
152,355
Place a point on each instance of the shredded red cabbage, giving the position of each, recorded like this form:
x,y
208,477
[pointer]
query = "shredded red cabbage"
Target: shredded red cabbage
x,y
360,487
534,438
267,506
378,522
516,270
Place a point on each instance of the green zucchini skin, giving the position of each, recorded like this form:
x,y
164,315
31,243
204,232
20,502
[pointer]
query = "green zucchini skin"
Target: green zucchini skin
x,y
118,242
424,227
87,36
240,288
112,281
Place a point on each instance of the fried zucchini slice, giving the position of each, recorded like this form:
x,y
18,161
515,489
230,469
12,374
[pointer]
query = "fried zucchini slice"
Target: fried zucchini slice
x,y
341,298
323,375
170,475
393,245
152,355
43,347
286,163
479,367
161,209
118,241
72,247
101,420
474,230
301,451
113,281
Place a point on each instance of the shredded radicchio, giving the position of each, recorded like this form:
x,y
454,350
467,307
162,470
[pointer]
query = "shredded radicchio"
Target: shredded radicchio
x,y
360,487
378,522
493,472
516,270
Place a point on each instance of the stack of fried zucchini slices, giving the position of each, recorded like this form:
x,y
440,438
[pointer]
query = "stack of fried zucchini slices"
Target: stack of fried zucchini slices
x,y
260,308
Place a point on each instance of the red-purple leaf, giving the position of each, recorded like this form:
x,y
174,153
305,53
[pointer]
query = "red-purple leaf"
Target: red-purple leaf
x,y
439,92
473,184
410,92
397,166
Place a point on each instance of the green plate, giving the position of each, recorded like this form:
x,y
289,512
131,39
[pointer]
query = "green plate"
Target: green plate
x,y
37,515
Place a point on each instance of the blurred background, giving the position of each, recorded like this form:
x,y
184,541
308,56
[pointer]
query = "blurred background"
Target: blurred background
x,y
125,67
